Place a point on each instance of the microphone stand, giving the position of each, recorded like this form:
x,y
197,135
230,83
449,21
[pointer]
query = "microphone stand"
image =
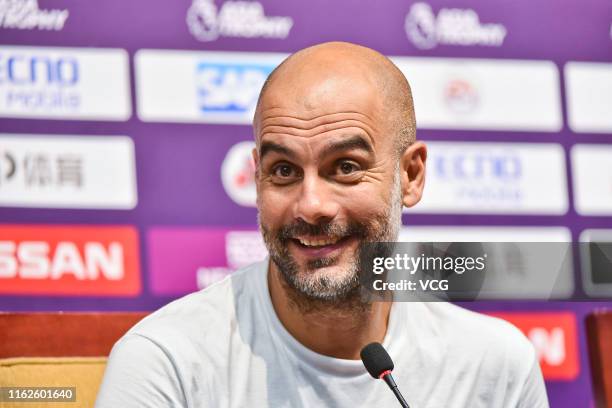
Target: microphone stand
x,y
391,383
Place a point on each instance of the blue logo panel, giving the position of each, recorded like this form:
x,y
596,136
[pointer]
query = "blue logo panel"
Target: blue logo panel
x,y
230,88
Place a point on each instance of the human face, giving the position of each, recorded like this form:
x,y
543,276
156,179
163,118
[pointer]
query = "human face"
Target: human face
x,y
327,183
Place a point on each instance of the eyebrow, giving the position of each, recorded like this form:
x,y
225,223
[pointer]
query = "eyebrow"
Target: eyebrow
x,y
267,147
353,142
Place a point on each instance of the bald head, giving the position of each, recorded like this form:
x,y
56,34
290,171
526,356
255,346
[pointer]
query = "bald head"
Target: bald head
x,y
326,72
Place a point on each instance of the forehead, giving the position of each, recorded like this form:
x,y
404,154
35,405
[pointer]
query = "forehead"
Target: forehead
x,y
308,89
309,104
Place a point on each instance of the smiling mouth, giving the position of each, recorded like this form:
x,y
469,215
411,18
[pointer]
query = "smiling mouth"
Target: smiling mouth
x,y
318,242
320,246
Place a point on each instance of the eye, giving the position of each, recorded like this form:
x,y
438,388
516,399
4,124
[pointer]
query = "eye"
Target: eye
x,y
283,170
347,167
284,173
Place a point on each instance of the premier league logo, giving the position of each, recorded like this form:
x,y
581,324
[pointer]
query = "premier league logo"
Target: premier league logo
x,y
202,20
235,18
451,26
420,26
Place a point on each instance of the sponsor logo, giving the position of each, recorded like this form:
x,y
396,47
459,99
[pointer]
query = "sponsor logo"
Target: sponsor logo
x,y
554,338
39,82
466,177
238,174
69,260
26,15
592,178
242,248
230,88
235,19
178,264
206,87
455,93
461,96
480,166
451,26
64,83
67,172
40,169
589,96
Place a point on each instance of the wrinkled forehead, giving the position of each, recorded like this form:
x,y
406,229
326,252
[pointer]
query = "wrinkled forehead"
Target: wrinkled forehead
x,y
308,102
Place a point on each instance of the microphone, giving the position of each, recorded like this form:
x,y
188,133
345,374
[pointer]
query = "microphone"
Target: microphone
x,y
379,364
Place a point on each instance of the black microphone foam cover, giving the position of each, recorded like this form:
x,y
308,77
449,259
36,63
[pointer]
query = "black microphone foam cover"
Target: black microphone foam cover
x,y
376,359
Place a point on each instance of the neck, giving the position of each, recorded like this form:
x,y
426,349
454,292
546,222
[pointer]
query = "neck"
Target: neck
x,y
335,330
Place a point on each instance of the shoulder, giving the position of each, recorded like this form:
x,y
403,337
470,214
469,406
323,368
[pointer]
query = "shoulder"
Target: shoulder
x,y
503,354
186,342
490,339
482,326
483,353
203,318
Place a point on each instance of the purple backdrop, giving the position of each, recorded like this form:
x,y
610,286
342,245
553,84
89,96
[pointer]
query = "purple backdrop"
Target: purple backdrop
x,y
178,162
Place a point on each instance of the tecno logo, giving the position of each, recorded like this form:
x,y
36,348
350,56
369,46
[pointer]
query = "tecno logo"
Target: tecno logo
x,y
67,260
491,177
475,166
23,69
451,26
554,338
39,82
487,177
66,83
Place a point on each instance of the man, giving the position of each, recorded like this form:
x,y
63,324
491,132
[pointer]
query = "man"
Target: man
x,y
336,158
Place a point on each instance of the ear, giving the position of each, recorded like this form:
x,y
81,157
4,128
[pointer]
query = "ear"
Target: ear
x,y
412,167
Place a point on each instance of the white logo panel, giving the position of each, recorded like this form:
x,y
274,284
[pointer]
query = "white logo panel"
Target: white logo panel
x,y
515,270
592,178
67,172
589,96
494,178
207,87
64,83
484,94
484,234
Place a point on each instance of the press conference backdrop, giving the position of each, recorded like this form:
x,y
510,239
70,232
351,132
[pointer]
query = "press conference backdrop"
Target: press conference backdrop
x,y
125,172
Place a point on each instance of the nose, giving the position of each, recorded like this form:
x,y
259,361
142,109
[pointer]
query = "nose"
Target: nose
x,y
316,202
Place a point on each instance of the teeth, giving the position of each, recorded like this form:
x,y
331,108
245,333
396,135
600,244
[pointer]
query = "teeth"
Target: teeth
x,y
318,242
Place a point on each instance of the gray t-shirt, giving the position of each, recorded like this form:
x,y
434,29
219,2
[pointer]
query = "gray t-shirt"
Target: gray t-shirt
x,y
225,347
